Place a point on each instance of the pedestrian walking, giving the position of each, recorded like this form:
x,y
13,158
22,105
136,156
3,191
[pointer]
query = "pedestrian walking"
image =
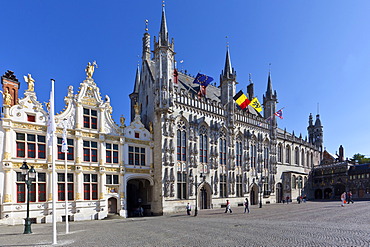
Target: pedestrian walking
x,y
343,198
350,199
228,207
188,209
246,205
298,199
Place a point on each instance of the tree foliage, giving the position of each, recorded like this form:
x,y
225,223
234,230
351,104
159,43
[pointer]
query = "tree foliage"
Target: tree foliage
x,y
360,159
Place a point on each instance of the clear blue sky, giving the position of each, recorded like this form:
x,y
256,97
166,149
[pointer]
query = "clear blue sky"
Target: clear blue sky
x,y
319,51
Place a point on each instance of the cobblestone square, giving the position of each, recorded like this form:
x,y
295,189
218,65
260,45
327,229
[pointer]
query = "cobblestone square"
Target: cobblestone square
x,y
305,224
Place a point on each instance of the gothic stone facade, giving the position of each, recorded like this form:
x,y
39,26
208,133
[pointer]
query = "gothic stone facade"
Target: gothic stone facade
x,y
207,149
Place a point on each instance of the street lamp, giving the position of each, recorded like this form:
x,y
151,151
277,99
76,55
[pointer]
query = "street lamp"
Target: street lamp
x,y
29,174
262,180
196,192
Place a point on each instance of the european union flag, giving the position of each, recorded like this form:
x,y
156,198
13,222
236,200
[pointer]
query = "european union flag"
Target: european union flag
x,y
202,80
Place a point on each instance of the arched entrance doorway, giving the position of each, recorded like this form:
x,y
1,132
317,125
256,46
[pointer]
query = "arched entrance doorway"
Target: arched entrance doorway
x,y
254,194
205,196
279,192
328,193
318,194
112,205
139,197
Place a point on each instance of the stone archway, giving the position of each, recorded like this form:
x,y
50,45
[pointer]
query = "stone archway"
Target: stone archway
x,y
205,196
139,197
328,193
253,194
279,192
112,205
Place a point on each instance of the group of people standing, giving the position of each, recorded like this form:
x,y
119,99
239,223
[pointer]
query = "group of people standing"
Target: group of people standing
x,y
346,197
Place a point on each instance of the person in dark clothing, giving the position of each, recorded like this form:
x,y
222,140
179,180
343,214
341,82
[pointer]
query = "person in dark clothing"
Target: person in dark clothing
x,y
246,205
228,207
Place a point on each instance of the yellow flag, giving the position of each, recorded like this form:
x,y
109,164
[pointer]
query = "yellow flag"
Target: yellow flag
x,y
256,104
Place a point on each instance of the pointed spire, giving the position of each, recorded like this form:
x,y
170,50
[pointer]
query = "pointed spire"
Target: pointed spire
x,y
228,68
163,33
269,91
137,80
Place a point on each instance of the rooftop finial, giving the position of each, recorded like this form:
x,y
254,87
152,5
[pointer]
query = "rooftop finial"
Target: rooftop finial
x,y
318,108
250,78
269,67
227,41
146,25
163,3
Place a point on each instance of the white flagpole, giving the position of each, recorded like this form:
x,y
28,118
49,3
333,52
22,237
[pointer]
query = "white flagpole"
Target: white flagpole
x,y
52,130
65,150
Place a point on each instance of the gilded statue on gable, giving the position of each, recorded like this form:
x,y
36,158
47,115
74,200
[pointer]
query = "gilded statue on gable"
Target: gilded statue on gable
x,y
90,68
31,82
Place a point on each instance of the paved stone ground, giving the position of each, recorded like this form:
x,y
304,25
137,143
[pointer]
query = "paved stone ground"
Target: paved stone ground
x,y
306,224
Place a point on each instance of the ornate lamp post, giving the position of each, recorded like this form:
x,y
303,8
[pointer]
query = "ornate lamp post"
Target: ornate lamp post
x,y
261,181
29,174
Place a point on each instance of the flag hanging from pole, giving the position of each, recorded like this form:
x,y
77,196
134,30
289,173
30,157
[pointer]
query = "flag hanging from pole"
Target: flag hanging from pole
x,y
241,99
203,80
51,123
279,113
256,104
64,140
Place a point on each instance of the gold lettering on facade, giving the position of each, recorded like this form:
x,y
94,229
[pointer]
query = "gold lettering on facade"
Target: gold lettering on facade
x,y
138,141
109,169
89,168
29,126
131,170
90,135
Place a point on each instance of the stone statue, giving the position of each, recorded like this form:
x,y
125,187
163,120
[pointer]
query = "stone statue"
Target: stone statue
x,y
151,127
122,120
137,108
7,98
30,81
90,68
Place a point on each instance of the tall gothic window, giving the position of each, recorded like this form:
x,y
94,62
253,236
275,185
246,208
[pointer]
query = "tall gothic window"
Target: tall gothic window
x,y
223,183
239,185
296,156
253,155
203,145
181,142
181,185
280,153
287,154
294,182
265,157
222,149
302,158
239,151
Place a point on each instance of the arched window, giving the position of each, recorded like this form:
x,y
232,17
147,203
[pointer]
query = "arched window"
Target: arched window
x,y
222,149
265,157
280,153
296,156
223,181
293,182
302,158
239,151
203,145
287,154
253,155
181,142
300,182
308,159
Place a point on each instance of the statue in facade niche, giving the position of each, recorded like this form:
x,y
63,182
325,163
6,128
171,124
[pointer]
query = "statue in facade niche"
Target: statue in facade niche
x,y
90,68
122,120
30,81
7,98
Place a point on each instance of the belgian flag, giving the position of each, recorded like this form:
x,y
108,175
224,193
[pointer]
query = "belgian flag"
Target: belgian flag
x,y
241,99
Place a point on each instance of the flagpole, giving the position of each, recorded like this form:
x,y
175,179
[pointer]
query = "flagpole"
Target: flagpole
x,y
65,175
51,113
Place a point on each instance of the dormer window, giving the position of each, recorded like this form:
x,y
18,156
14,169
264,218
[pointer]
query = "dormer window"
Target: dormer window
x,y
31,118
90,118
137,135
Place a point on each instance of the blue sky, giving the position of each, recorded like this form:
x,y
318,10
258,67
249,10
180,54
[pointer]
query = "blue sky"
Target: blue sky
x,y
319,52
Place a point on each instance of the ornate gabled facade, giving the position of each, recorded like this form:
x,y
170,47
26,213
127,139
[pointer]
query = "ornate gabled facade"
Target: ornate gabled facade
x,y
207,149
105,162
